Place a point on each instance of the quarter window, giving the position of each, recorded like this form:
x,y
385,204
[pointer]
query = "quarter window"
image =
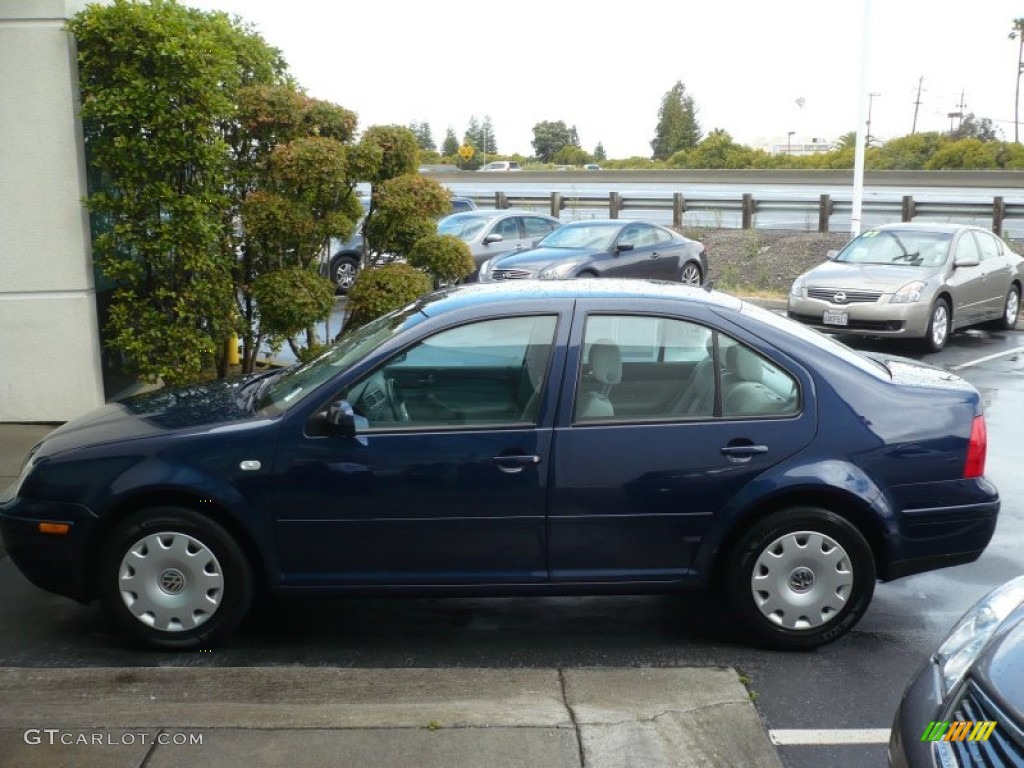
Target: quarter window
x,y
644,368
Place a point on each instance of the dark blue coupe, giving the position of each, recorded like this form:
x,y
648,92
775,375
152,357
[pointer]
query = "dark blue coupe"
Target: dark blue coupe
x,y
588,436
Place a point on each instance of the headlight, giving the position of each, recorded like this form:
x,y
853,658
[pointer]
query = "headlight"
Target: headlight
x,y
12,491
485,270
909,293
972,633
555,271
797,289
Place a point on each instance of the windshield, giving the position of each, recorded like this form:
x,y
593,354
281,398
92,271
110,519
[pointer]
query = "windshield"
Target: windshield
x,y
462,227
292,386
897,247
598,236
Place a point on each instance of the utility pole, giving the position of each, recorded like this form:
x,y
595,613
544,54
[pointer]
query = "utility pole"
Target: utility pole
x,y
959,114
917,104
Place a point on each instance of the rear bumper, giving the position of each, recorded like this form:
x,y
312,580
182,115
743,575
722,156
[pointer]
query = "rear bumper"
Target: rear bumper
x,y
56,563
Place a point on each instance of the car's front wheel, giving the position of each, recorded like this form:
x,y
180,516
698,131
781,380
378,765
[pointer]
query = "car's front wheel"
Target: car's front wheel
x,y
939,325
800,578
343,272
690,274
174,579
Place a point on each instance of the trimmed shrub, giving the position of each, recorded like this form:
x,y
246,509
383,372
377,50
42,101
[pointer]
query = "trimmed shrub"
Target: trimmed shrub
x,y
380,290
446,257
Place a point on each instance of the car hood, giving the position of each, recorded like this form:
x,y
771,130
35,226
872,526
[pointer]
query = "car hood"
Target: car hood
x,y
868,277
211,403
538,258
1000,668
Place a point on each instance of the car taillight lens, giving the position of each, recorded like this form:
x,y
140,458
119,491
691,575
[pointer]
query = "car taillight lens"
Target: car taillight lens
x,y
977,447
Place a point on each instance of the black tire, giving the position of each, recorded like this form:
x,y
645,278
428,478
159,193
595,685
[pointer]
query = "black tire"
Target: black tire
x,y
198,582
588,273
935,339
343,272
1011,309
822,572
690,274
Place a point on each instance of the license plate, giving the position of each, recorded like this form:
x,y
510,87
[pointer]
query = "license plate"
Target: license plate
x,y
836,318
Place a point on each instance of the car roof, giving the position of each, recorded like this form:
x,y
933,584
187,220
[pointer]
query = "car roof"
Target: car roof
x,y
925,226
473,294
491,213
616,222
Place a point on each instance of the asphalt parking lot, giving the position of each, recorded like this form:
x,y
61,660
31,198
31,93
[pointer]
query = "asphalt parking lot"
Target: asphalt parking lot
x,y
829,707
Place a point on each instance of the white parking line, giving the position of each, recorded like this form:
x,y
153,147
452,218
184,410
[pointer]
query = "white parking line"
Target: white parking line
x,y
986,358
795,737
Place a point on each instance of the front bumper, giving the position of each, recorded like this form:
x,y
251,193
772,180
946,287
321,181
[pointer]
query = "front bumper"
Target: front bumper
x,y
878,318
56,563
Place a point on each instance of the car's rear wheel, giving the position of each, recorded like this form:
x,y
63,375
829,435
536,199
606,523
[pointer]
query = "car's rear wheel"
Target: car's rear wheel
x,y
587,273
174,579
343,272
800,578
939,324
690,274
1011,309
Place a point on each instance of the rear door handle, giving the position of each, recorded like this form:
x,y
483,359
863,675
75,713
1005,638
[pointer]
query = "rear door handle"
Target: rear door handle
x,y
515,463
655,255
742,451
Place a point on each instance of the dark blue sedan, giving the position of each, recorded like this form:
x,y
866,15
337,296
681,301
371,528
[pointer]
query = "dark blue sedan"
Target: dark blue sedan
x,y
561,437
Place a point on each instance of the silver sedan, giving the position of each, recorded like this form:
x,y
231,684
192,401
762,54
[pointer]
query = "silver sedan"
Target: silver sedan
x,y
919,281
494,233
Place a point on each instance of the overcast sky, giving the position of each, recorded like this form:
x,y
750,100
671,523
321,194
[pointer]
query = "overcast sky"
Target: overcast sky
x,y
747,63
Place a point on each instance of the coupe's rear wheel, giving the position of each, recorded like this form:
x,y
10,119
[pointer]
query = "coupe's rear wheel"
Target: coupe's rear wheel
x,y
174,579
1011,308
690,274
939,324
343,272
800,578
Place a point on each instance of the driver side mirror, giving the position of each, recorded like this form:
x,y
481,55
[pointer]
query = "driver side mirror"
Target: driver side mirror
x,y
624,247
340,419
831,254
493,239
966,260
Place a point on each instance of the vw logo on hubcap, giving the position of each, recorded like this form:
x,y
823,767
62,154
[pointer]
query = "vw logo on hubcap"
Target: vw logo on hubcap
x,y
172,581
801,579
839,298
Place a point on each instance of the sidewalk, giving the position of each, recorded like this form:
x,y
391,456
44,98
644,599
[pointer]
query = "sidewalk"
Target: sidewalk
x,y
399,718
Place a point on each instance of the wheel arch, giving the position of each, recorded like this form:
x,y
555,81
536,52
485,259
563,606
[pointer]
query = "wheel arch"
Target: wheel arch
x,y
854,509
174,497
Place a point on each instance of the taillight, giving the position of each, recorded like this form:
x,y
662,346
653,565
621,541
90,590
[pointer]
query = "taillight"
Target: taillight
x,y
977,447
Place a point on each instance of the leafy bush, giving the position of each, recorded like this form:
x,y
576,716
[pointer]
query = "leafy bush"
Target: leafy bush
x,y
398,148
290,300
380,290
446,257
404,210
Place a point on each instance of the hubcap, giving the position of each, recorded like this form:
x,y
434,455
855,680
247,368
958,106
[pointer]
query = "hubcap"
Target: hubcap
x,y
802,580
940,325
344,274
170,581
1012,307
691,275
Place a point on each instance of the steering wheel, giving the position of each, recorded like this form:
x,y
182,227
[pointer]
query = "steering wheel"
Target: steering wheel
x,y
398,409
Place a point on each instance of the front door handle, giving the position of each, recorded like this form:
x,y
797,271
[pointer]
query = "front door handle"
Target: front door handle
x,y
515,463
655,255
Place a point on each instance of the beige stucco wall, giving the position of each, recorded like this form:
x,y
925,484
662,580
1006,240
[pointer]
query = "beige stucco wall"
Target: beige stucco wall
x,y
49,341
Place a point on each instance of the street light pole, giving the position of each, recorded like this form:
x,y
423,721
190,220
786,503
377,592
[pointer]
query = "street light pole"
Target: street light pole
x,y
789,142
871,102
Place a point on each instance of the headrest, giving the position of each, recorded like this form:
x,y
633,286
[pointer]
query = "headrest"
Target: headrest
x,y
744,363
606,361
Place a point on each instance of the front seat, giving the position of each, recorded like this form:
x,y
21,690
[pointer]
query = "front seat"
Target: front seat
x,y
606,368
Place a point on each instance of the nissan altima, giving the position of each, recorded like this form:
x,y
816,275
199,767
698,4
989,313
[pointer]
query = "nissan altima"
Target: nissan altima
x,y
563,437
920,281
612,248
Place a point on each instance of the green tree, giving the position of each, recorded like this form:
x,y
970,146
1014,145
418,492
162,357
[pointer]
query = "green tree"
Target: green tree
x,y
716,150
450,146
909,153
424,139
599,153
549,137
972,127
403,209
965,154
159,85
571,156
677,123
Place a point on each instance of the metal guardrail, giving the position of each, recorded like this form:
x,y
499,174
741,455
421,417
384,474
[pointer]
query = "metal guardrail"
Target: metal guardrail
x,y
748,207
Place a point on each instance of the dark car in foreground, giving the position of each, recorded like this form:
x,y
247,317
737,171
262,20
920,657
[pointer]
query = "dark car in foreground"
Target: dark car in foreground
x,y
609,248
965,707
913,280
536,438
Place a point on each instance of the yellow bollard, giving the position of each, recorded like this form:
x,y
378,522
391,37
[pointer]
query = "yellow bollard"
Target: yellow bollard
x,y
233,358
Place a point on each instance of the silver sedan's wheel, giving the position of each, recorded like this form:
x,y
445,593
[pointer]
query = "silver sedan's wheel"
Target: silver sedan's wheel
x,y
1011,309
939,324
800,577
690,274
171,581
343,272
802,580
173,578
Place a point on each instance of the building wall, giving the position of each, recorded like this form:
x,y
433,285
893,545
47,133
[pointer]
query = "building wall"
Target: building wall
x,y
49,340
